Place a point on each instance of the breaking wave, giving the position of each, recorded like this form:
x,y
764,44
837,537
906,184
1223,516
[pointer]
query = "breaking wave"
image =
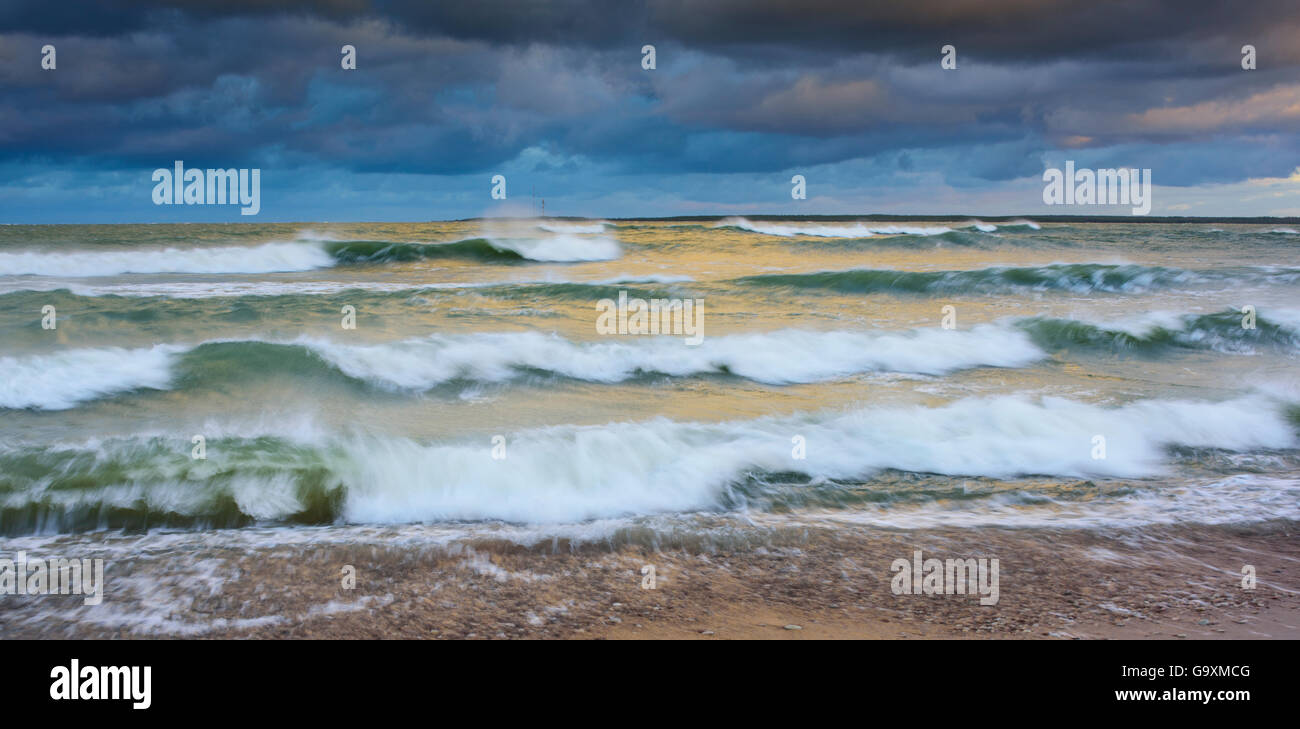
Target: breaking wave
x,y
576,473
64,380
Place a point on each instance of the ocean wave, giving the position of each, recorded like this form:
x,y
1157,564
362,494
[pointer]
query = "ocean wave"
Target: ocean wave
x,y
780,357
230,289
562,248
265,258
588,292
1220,331
1072,277
1022,223
984,227
285,257
382,251
565,474
651,278
572,228
66,379
854,230
506,288
551,249
866,229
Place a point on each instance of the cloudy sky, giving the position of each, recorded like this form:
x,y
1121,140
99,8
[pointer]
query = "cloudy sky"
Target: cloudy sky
x,y
552,95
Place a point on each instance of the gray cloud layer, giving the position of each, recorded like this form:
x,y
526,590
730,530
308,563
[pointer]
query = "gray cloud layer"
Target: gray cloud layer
x,y
741,85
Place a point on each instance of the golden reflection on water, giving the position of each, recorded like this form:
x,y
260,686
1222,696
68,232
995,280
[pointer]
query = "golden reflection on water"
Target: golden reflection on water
x,y
688,259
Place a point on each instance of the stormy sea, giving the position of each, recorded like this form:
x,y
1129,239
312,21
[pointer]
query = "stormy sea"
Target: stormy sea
x,y
182,391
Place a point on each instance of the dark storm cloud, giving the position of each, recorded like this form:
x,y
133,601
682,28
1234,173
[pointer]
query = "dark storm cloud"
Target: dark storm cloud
x,y
594,23
997,29
994,29
743,86
112,17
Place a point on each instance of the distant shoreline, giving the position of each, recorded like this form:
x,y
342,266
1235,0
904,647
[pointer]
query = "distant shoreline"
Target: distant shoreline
x,y
875,217
985,218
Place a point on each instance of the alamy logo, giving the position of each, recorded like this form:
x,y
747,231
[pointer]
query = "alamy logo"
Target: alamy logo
x,y
209,187
53,577
96,683
1098,187
657,316
950,577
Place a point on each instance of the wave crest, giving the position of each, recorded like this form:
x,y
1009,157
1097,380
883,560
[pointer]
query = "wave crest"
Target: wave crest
x,y
776,358
1074,277
854,230
265,258
576,473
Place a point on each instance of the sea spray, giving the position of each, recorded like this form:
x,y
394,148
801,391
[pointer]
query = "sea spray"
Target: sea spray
x,y
565,474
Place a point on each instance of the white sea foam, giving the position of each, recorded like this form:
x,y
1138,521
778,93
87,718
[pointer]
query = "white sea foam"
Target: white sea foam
x,y
653,278
1286,318
65,379
580,228
265,258
779,357
1142,324
852,230
1242,498
307,254
568,474
1192,331
59,381
235,289
562,247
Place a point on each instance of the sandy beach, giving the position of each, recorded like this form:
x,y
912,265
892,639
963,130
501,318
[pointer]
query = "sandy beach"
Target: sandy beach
x,y
793,583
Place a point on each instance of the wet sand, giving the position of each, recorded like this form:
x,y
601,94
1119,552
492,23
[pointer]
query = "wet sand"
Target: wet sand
x,y
806,583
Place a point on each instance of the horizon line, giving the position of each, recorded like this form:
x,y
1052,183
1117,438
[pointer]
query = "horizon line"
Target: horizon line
x,y
881,217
